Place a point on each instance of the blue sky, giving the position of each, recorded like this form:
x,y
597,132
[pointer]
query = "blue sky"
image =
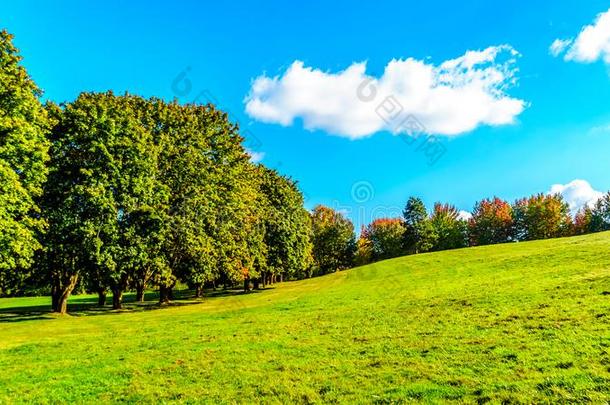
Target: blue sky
x,y
562,134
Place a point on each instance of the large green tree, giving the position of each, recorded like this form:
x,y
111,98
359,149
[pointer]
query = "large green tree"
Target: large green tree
x,y
23,157
287,227
213,211
103,199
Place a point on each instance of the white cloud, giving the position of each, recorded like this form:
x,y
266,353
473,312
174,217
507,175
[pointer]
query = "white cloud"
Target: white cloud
x,y
255,157
450,99
590,45
558,46
464,215
577,194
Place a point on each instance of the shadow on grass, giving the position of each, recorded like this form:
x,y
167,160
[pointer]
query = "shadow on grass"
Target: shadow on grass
x,y
88,305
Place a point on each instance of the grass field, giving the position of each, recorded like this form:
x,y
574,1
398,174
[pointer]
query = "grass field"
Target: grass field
x,y
527,322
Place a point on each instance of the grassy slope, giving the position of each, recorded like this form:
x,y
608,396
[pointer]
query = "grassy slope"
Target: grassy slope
x,y
522,322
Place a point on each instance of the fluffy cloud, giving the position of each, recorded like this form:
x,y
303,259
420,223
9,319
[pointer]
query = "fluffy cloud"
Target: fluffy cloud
x,y
590,45
577,194
450,99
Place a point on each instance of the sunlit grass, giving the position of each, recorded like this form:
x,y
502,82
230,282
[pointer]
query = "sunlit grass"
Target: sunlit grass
x,y
527,322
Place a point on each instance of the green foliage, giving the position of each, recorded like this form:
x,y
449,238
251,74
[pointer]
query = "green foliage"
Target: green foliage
x,y
420,236
600,215
333,240
23,155
287,227
211,207
103,199
364,252
385,236
441,230
450,230
146,191
541,216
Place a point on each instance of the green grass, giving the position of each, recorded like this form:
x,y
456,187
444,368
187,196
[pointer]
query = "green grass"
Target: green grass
x,y
527,322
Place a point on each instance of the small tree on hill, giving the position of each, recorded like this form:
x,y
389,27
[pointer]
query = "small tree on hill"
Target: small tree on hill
x,y
541,216
385,236
450,230
333,240
419,235
600,215
491,222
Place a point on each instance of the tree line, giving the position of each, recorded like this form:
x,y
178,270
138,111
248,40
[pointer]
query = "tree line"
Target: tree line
x,y
110,193
492,221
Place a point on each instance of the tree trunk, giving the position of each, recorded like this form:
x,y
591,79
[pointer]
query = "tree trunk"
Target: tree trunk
x,y
54,296
140,292
281,278
117,298
60,299
198,291
165,294
62,305
101,297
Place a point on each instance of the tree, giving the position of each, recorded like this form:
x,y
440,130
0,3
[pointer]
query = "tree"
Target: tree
x,y
254,233
103,199
541,216
418,235
583,221
214,206
23,157
333,240
449,229
143,241
287,228
600,215
491,222
189,168
385,236
364,251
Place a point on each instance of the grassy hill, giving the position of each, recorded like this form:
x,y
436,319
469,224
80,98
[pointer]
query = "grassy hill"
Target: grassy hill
x,y
523,322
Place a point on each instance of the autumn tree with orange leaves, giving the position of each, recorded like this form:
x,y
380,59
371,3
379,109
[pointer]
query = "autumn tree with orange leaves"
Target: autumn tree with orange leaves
x,y
491,222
